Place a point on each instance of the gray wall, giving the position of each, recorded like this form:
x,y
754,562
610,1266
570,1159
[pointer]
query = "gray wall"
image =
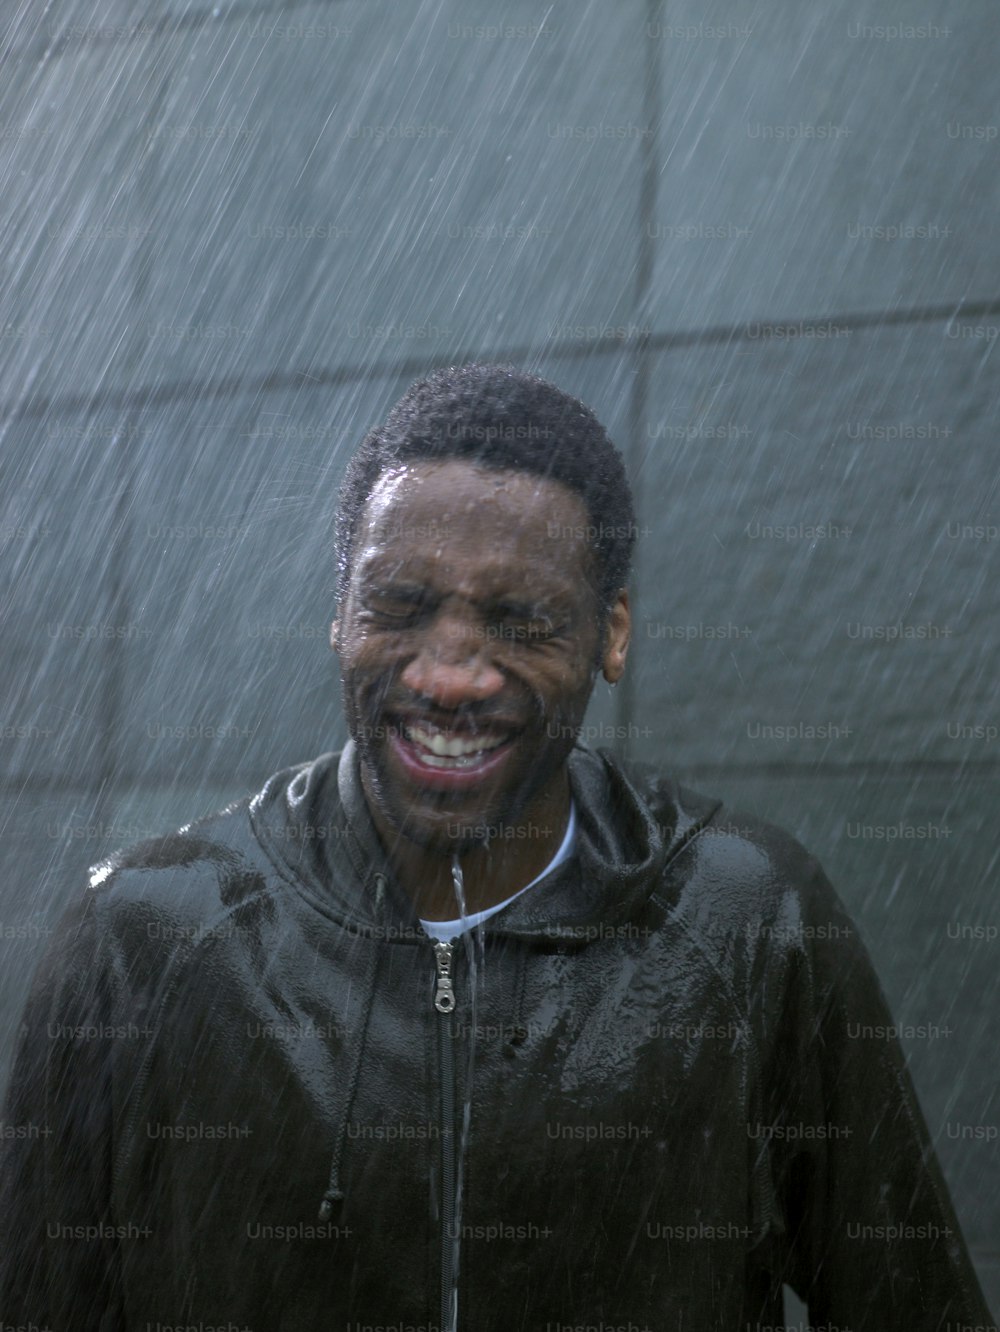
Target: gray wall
x,y
761,241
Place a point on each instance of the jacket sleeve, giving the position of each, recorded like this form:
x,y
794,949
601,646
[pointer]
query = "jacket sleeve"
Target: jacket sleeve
x,y
872,1241
58,1252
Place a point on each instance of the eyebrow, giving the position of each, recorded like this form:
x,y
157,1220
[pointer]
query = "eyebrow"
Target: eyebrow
x,y
418,594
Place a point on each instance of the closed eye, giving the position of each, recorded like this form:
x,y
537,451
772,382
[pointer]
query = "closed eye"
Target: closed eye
x,y
529,621
397,605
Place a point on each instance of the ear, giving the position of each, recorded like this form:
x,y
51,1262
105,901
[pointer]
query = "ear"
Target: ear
x,y
619,634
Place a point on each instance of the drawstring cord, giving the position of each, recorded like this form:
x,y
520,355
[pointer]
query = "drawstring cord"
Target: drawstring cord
x,y
334,1193
473,941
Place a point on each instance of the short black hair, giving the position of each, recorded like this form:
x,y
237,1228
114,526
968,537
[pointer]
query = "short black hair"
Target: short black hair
x,y
499,416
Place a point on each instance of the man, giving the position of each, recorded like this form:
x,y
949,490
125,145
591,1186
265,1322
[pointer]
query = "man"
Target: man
x,y
465,1027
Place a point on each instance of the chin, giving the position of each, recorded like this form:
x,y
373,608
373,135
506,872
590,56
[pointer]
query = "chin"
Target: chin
x,y
447,832
445,828
439,841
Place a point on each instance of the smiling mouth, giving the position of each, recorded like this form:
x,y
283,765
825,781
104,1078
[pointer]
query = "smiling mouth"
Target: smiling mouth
x,y
448,751
441,758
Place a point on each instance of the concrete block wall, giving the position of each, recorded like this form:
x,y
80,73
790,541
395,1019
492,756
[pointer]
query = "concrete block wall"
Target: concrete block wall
x,y
761,243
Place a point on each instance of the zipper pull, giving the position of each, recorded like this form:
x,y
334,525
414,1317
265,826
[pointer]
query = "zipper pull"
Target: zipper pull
x,y
444,994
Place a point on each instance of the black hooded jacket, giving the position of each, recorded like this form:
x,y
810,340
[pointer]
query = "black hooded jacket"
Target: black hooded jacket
x,y
666,1081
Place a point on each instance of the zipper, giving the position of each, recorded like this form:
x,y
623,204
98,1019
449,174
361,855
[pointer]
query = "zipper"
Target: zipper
x,y
444,1003
444,991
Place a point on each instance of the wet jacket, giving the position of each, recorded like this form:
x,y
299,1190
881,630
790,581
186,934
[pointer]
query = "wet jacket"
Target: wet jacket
x,y
255,1097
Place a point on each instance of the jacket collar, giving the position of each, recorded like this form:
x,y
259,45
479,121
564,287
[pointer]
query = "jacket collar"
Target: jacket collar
x,y
314,819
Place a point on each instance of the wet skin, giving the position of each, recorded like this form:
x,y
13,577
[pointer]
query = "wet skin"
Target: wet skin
x,y
471,619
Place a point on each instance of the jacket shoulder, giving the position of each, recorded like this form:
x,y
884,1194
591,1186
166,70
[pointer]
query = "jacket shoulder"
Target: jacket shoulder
x,y
184,881
728,865
750,875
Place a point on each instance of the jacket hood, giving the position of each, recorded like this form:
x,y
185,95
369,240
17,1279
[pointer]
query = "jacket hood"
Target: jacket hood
x,y
313,822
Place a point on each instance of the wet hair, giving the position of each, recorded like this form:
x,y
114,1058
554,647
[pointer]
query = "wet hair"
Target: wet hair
x,y
499,416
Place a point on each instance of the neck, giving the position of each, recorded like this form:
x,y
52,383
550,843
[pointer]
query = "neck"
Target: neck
x,y
490,873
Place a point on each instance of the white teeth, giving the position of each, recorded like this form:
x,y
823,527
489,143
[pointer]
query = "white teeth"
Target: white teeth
x,y
450,748
466,761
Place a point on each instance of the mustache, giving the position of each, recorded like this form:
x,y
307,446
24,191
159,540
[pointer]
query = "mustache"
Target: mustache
x,y
464,719
389,703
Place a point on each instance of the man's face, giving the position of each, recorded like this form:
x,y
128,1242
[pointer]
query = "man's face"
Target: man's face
x,y
467,644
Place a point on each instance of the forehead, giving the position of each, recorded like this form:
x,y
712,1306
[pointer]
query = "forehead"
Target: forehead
x,y
443,514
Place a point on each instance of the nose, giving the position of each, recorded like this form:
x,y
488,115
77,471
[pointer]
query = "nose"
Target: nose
x,y
452,666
